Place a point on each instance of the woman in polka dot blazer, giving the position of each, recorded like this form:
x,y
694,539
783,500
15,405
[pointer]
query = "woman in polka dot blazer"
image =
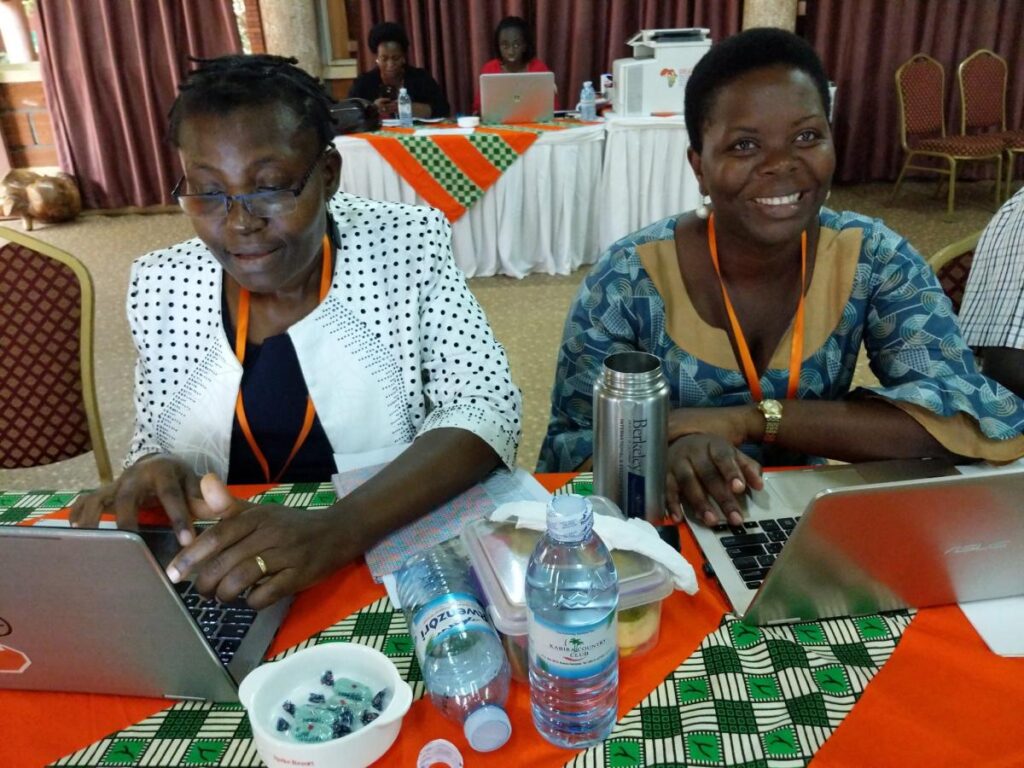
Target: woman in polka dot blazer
x,y
301,323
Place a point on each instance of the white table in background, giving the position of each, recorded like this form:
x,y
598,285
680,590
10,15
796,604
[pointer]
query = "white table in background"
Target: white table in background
x,y
540,216
646,175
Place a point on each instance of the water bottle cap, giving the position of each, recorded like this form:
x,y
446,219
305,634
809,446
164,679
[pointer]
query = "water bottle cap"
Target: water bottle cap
x,y
487,729
588,82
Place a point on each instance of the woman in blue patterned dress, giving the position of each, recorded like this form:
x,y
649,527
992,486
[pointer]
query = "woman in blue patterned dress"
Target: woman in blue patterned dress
x,y
759,306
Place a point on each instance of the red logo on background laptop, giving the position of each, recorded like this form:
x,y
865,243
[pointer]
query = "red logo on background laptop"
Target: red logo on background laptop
x,y
12,661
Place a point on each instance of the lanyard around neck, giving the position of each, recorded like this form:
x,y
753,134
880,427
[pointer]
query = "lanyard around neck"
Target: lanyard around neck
x,y
241,332
796,347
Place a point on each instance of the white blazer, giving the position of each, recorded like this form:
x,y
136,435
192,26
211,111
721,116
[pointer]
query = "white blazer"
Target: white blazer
x,y
398,347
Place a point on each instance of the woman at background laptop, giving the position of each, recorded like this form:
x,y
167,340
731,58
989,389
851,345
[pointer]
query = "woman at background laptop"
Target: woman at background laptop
x,y
758,304
390,46
514,51
292,330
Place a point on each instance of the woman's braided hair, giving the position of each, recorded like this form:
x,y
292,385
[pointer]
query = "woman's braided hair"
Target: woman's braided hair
x,y
222,85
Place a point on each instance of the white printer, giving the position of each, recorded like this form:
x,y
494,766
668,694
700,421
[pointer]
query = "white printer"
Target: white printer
x,y
655,78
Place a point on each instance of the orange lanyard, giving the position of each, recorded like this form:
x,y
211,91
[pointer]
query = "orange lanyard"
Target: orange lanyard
x,y
796,348
240,335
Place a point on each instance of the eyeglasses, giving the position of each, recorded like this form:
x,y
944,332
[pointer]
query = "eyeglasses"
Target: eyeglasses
x,y
265,205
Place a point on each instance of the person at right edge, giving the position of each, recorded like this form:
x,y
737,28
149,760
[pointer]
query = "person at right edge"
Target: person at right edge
x,y
992,312
759,306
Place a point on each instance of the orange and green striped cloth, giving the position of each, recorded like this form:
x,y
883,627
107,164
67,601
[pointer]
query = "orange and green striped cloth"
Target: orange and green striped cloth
x,y
453,171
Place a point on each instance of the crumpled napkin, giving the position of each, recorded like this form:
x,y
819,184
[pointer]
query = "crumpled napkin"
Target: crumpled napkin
x,y
633,534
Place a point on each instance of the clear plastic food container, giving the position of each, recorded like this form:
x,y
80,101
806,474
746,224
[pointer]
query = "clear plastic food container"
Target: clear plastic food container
x,y
500,553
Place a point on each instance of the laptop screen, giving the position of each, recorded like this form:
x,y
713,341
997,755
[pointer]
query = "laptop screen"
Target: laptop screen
x,y
523,97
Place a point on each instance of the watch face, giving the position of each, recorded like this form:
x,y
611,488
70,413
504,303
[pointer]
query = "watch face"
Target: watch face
x,y
771,407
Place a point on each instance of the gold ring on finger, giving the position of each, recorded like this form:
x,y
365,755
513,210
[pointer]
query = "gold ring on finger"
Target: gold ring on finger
x,y
262,564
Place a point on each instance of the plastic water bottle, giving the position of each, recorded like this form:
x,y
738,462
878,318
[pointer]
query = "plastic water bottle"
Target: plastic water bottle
x,y
572,593
404,108
464,666
588,102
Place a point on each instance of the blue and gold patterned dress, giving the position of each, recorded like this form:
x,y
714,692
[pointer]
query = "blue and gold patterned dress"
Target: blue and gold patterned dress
x,y
869,288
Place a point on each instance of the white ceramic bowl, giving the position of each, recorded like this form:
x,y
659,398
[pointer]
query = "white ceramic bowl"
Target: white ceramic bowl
x,y
266,688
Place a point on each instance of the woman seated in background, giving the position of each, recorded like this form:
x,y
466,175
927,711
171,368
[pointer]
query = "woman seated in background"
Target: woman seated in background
x,y
291,330
514,51
758,308
390,45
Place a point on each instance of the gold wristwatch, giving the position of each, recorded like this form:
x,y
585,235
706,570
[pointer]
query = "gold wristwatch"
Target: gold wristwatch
x,y
772,412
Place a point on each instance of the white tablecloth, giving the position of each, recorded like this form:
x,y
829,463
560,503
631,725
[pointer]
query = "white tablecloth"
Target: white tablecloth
x,y
646,175
540,216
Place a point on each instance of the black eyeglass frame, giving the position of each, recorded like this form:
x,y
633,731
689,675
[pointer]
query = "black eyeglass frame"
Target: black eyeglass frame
x,y
246,199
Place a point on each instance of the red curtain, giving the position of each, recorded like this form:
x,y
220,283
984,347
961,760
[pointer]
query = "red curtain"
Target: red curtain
x,y
578,40
110,74
862,43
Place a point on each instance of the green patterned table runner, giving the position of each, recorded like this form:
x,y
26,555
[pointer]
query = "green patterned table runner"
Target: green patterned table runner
x,y
750,696
753,696
452,171
203,734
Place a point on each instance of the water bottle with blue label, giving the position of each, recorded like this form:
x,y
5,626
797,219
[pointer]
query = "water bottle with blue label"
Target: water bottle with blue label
x,y
572,595
465,669
588,102
404,108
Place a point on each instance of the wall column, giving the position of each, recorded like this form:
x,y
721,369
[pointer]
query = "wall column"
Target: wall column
x,y
15,31
770,13
290,29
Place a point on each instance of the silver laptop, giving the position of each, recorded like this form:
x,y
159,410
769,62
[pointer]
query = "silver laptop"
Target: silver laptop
x,y
523,97
856,539
92,610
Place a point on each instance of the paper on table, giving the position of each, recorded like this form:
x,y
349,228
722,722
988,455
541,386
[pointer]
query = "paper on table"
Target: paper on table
x,y
1000,623
633,534
443,131
447,520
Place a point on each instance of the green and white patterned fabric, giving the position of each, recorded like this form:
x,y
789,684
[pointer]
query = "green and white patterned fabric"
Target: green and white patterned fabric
x,y
201,734
459,182
765,697
750,696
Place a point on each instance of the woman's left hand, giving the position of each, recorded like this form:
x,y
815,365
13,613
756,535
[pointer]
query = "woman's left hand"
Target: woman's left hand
x,y
297,547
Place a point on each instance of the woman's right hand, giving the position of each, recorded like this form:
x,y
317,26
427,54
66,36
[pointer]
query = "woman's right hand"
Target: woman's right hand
x,y
158,478
703,466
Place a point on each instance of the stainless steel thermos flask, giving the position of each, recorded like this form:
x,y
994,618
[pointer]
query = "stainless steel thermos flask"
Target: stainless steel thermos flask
x,y
631,433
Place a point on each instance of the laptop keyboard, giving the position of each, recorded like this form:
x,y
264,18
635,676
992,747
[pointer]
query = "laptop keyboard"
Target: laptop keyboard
x,y
223,624
754,546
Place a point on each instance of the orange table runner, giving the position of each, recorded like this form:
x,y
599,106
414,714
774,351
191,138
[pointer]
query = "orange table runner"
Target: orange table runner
x,y
453,171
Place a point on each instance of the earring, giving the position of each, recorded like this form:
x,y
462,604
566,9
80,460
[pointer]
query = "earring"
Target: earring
x,y
702,210
828,194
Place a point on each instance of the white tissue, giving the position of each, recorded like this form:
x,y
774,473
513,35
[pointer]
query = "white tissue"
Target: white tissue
x,y
634,534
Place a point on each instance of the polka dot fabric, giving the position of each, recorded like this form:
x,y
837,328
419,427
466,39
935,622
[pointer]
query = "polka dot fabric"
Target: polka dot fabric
x,y
399,346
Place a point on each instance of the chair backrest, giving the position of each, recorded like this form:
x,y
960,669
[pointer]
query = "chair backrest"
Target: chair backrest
x,y
952,265
921,92
48,406
982,78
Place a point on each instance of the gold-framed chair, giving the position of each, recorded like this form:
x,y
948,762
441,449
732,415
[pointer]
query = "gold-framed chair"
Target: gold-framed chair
x,y
952,265
48,409
921,94
982,79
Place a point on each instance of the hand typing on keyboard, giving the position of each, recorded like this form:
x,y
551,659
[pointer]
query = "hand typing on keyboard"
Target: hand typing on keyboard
x,y
710,476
